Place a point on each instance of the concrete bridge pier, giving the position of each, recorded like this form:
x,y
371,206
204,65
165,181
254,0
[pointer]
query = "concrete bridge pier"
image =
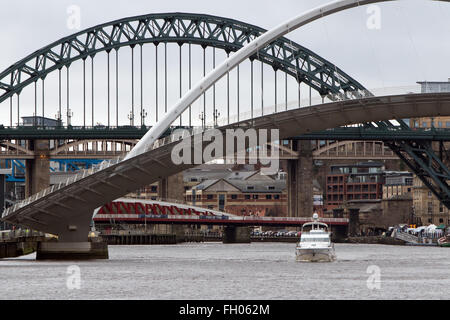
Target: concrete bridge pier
x,y
37,172
339,233
354,224
72,251
300,186
172,188
73,242
233,234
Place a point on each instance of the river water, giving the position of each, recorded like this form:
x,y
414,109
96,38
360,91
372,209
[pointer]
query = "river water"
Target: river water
x,y
211,271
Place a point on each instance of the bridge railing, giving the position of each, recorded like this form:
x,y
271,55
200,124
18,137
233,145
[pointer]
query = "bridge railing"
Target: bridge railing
x,y
318,100
127,232
253,219
9,235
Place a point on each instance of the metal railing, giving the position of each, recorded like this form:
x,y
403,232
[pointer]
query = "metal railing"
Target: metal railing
x,y
15,234
407,237
244,219
127,233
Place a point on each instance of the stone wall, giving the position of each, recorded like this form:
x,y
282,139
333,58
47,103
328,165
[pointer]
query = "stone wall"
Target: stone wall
x,y
396,211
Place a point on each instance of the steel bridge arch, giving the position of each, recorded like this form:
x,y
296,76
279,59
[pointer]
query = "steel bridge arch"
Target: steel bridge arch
x,y
18,149
61,150
182,28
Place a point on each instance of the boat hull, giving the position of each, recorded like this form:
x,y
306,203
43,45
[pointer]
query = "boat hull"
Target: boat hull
x,y
444,243
315,255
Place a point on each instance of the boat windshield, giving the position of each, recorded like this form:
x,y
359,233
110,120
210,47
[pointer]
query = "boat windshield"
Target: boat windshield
x,y
315,239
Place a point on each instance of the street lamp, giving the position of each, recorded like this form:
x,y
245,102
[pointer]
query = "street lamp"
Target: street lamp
x,y
59,118
216,116
143,116
202,118
69,117
131,118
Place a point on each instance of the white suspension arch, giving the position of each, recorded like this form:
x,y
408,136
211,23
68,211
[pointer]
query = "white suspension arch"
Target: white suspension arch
x,y
229,64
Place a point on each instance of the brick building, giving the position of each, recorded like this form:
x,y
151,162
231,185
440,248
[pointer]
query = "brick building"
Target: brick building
x,y
427,207
348,183
242,194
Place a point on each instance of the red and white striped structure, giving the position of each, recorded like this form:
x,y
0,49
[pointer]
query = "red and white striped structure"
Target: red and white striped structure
x,y
158,212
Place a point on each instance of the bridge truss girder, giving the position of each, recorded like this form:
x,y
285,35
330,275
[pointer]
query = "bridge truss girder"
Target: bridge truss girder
x,y
422,159
182,28
429,167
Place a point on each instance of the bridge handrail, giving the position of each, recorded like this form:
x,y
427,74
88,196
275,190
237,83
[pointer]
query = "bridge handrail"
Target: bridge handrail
x,y
14,234
125,232
249,218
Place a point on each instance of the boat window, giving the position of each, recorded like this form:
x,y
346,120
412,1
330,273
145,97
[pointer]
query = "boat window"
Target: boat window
x,y
315,239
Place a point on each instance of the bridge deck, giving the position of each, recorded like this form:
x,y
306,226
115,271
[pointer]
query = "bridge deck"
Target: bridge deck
x,y
218,220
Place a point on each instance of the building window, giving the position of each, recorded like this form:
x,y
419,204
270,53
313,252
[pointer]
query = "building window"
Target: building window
x,y
441,220
250,188
277,197
268,197
154,189
430,194
425,125
210,196
430,207
247,197
271,188
234,196
255,197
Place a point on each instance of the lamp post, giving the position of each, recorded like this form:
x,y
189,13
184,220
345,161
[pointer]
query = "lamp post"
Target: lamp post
x,y
69,117
202,117
216,116
143,116
131,118
58,117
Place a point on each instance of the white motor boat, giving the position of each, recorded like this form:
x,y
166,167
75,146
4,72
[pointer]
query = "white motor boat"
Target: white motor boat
x,y
315,245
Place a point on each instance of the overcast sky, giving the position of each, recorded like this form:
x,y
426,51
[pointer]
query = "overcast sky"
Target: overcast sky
x,y
411,45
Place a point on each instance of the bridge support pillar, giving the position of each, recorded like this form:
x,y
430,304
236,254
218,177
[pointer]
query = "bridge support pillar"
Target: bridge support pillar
x,y
300,181
172,188
73,240
72,251
37,176
232,234
339,233
180,232
353,224
2,192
